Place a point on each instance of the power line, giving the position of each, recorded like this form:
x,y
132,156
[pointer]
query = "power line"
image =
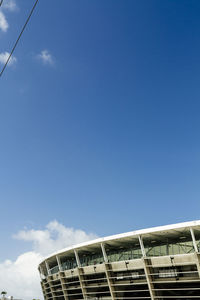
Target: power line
x,y
15,45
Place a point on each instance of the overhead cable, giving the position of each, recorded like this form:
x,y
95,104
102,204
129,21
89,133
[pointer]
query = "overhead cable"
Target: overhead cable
x,y
15,45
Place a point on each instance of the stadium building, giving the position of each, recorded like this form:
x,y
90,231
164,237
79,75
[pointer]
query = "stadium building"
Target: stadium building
x,y
155,263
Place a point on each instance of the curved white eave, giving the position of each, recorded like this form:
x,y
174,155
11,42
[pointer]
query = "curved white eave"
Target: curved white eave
x,y
127,234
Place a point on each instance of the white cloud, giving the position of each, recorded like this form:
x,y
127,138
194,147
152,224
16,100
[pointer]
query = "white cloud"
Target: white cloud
x,y
4,56
55,236
3,22
45,57
20,278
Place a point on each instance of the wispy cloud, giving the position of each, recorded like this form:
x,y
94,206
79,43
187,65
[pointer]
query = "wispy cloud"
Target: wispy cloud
x,y
20,278
3,22
10,5
4,56
45,57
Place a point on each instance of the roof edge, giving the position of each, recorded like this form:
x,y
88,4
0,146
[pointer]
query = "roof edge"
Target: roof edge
x,y
123,235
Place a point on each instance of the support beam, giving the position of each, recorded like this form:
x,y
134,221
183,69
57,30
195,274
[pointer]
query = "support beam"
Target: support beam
x,y
44,290
51,287
108,271
77,258
104,253
148,272
47,266
80,274
59,263
197,258
41,272
49,279
193,239
64,290
142,245
82,283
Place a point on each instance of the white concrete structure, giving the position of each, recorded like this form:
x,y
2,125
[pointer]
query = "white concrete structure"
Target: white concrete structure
x,y
155,263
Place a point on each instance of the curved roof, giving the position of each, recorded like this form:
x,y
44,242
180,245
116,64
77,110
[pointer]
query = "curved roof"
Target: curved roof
x,y
161,230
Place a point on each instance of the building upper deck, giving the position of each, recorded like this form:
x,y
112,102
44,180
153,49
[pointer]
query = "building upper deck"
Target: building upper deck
x,y
175,239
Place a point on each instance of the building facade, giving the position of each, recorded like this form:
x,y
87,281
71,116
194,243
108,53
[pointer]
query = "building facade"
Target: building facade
x,y
155,263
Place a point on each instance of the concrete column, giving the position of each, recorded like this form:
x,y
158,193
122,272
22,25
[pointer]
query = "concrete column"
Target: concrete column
x,y
147,270
108,271
197,259
193,239
49,279
62,281
51,287
82,283
64,290
104,253
80,274
44,290
41,272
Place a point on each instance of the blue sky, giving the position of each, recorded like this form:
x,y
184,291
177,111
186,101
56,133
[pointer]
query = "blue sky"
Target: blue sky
x,y
104,134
